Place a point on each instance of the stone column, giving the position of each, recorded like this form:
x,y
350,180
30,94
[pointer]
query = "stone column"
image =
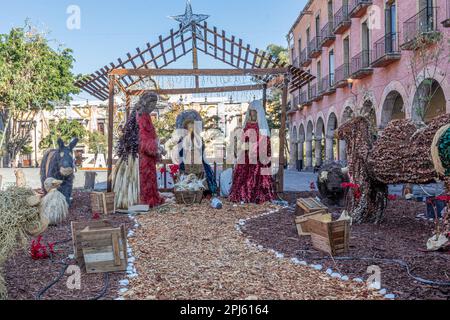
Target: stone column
x,y
309,155
318,152
329,156
342,150
292,160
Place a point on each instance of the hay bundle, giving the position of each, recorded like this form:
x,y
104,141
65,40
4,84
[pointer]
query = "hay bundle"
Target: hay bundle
x,y
402,154
54,205
17,218
126,182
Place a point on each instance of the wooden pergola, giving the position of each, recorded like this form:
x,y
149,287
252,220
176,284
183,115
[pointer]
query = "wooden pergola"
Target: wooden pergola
x,y
267,71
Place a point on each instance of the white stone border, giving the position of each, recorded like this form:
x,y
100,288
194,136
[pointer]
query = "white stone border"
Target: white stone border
x,y
318,267
131,269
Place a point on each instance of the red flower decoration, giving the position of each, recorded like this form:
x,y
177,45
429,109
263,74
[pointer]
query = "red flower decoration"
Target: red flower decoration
x,y
96,216
349,185
39,251
392,197
443,198
163,170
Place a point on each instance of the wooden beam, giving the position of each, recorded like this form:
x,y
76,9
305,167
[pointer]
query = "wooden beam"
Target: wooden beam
x,y
112,82
198,72
282,161
198,90
265,96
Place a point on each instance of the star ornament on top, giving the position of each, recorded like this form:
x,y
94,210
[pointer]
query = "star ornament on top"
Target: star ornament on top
x,y
190,20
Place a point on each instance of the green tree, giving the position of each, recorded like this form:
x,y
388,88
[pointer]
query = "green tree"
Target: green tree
x,y
273,111
96,142
34,77
66,130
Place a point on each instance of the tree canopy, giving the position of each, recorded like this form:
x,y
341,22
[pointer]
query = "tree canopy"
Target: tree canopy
x,y
66,130
34,76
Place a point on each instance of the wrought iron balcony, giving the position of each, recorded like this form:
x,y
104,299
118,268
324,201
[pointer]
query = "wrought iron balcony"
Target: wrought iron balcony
x,y
342,74
342,21
327,35
304,58
360,66
303,97
328,84
446,23
295,62
359,7
315,48
421,27
295,103
386,51
316,91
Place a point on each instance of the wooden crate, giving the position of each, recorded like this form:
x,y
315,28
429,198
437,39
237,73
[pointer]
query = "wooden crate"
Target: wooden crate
x,y
77,227
309,205
302,222
104,250
103,202
330,237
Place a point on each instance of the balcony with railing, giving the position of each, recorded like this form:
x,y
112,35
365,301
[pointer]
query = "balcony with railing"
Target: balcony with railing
x,y
358,8
295,62
360,66
305,60
316,91
328,84
420,29
303,97
342,21
342,74
327,35
386,51
315,48
446,22
295,103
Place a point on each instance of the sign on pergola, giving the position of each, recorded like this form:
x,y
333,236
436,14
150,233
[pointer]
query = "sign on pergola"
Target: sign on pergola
x,y
266,70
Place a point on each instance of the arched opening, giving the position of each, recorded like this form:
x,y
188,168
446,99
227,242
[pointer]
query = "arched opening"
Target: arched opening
x,y
429,101
347,115
294,147
308,145
331,142
301,147
368,111
319,142
393,108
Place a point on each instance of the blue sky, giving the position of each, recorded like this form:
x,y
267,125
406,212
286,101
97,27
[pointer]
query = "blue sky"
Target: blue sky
x,y
111,28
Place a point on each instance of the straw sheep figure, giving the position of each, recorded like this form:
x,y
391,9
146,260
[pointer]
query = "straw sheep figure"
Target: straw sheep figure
x,y
54,205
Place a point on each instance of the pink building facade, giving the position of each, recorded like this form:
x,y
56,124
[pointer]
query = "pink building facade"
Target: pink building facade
x,y
360,52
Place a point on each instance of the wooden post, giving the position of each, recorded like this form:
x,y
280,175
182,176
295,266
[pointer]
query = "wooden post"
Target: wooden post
x,y
283,136
195,54
128,105
110,130
265,96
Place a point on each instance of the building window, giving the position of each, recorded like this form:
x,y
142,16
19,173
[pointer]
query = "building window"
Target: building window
x,y
331,63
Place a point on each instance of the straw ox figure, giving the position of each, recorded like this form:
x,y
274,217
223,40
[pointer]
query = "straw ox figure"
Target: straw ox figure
x,y
59,164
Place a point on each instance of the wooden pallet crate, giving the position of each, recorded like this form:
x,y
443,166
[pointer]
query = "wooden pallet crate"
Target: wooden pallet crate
x,y
77,227
331,237
103,202
302,222
104,250
308,206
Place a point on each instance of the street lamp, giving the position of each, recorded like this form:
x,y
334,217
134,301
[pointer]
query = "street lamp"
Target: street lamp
x,y
351,82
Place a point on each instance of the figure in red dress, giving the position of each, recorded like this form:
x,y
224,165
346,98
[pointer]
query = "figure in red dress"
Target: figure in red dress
x,y
252,177
149,151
